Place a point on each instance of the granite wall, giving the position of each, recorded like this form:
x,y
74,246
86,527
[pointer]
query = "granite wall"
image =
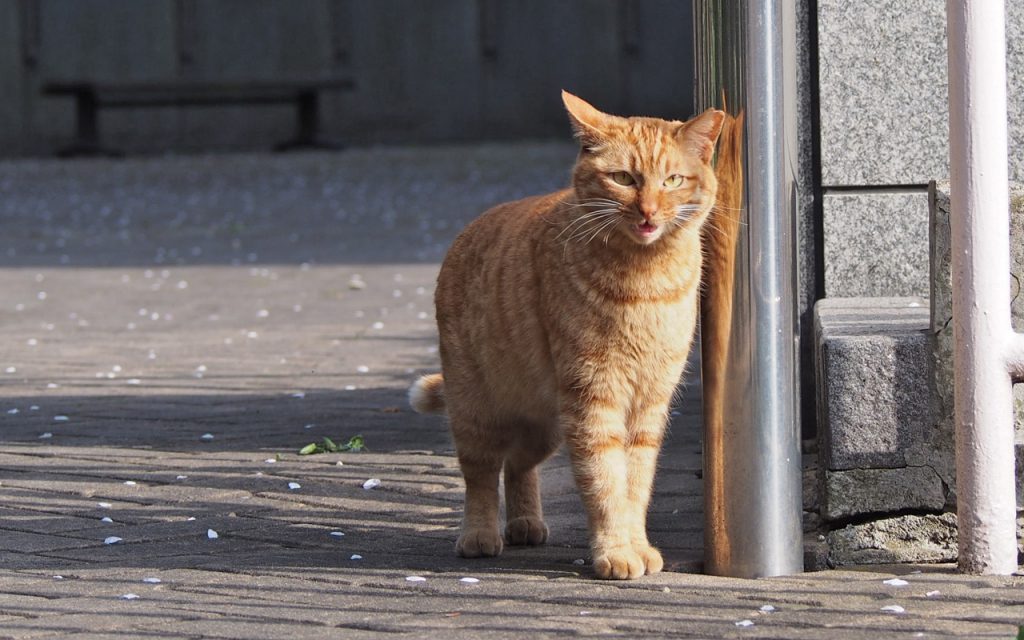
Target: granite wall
x,y
884,135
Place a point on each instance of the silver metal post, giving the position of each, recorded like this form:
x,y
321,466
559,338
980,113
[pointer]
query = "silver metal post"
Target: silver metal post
x,y
752,462
987,353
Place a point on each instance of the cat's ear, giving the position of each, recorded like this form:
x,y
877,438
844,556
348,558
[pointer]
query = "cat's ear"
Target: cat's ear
x,y
701,133
588,123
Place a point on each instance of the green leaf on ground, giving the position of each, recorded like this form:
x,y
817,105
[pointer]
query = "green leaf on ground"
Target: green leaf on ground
x,y
355,444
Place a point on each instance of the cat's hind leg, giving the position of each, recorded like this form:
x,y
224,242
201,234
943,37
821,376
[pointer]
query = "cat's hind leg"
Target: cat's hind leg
x,y
480,535
523,509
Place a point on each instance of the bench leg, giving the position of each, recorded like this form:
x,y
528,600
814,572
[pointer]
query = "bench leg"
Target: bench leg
x,y
87,130
307,135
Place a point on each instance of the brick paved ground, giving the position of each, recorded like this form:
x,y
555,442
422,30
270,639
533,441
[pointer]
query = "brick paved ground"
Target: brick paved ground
x,y
172,331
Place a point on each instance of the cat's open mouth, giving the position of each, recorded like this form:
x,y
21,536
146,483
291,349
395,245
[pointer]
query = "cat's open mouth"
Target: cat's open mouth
x,y
645,230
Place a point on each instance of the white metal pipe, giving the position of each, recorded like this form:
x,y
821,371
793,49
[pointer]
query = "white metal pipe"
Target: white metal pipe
x,y
982,333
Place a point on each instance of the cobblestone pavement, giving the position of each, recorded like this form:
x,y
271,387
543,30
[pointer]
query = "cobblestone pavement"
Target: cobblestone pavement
x,y
174,330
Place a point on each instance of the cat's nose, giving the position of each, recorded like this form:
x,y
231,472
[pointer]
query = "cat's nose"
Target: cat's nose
x,y
648,210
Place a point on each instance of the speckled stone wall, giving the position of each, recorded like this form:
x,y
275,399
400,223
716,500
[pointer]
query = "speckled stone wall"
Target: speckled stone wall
x,y
884,97
876,244
883,102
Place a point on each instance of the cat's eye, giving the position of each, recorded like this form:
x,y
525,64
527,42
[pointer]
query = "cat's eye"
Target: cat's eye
x,y
623,178
675,181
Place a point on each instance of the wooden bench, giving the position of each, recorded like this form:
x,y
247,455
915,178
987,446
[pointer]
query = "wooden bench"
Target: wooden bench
x,y
91,96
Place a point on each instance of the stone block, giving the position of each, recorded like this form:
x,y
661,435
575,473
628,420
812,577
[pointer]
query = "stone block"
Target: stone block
x,y
883,97
866,254
872,365
930,538
860,492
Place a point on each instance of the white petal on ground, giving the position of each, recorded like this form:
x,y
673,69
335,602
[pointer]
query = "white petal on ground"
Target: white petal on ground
x,y
45,436
896,582
152,580
337,534
60,418
180,477
299,394
294,485
372,483
893,608
579,561
767,608
211,534
130,483
468,580
744,623
363,369
107,520
356,556
206,436
130,596
104,505
112,540
271,461
415,579
932,594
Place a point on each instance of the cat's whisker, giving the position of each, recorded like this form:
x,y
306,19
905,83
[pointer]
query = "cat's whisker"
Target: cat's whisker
x,y
584,219
588,228
600,229
592,228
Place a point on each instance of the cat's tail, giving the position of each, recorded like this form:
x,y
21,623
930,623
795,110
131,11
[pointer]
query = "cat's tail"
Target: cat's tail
x,y
427,394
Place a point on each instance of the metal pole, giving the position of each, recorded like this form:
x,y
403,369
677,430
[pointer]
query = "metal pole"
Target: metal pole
x,y
752,461
985,345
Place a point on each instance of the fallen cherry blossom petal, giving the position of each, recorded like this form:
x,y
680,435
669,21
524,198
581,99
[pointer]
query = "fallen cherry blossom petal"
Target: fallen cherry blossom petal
x,y
469,580
744,623
211,534
104,505
130,596
415,579
337,534
152,580
294,485
767,608
206,436
372,483
356,556
893,608
107,520
112,540
896,582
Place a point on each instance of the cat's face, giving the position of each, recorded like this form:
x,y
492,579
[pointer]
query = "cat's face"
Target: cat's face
x,y
642,178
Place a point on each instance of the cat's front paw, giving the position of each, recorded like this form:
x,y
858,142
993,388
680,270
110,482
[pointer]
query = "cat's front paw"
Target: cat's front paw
x,y
476,543
526,530
651,557
619,563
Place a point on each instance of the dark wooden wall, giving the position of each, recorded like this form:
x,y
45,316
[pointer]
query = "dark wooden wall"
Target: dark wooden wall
x,y
427,70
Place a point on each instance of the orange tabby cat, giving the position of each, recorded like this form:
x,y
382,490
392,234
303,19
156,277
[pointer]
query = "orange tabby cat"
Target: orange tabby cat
x,y
569,317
